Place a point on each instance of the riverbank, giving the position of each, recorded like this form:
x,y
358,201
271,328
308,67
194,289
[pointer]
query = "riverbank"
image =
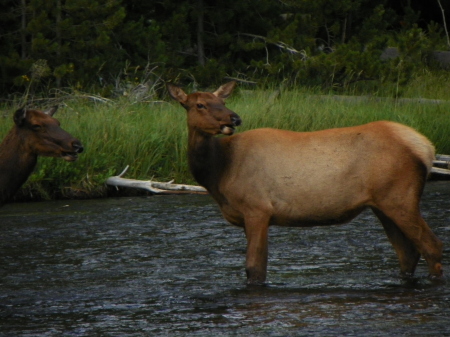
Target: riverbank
x,y
151,137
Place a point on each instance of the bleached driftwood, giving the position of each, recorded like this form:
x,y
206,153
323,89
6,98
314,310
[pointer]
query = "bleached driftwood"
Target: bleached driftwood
x,y
441,166
154,186
440,171
443,157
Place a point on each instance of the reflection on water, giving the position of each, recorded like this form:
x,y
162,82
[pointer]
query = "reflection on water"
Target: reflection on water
x,y
170,265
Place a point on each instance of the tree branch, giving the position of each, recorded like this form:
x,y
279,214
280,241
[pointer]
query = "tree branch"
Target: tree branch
x,y
445,24
279,44
154,186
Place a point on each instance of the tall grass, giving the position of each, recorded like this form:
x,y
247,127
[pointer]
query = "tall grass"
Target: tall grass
x,y
302,111
152,138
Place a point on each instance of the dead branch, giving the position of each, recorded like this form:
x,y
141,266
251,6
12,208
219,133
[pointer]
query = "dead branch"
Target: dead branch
x,y
240,80
441,166
154,186
279,44
445,23
440,171
444,157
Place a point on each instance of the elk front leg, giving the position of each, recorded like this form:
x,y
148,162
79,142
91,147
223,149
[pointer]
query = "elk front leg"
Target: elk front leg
x,y
256,231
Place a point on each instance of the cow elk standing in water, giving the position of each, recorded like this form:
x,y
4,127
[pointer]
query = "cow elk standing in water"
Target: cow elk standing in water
x,y
35,133
269,177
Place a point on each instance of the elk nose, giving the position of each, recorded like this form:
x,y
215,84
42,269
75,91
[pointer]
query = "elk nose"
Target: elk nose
x,y
236,120
77,146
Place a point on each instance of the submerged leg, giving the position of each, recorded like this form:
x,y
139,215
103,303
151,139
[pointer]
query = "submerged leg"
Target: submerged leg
x,y
256,231
430,247
411,236
407,253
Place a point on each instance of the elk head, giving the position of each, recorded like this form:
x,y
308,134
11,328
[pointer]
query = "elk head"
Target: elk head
x,y
206,111
42,134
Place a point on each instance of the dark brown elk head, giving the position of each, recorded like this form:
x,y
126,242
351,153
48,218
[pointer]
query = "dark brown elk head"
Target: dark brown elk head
x,y
42,135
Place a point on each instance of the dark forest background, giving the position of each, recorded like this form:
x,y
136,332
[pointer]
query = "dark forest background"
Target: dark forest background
x,y
110,47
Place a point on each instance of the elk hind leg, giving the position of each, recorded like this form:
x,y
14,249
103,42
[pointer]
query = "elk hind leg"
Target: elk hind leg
x,y
419,235
407,253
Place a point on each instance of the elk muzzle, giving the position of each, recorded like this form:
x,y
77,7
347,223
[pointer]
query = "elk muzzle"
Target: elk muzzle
x,y
73,155
228,129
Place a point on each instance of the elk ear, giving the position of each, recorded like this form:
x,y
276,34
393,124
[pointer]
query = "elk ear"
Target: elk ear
x,y
225,90
51,111
19,116
177,93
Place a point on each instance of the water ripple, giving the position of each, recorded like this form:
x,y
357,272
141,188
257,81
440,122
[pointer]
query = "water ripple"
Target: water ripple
x,y
170,265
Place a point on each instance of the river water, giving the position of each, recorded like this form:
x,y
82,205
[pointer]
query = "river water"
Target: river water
x,y
171,266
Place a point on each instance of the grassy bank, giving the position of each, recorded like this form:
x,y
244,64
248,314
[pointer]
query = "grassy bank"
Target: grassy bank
x,y
151,138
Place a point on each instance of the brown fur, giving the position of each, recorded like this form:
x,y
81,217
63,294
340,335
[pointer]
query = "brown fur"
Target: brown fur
x,y
35,133
269,177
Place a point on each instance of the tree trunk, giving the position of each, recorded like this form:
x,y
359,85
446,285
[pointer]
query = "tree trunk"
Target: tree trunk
x,y
58,38
23,30
445,23
200,32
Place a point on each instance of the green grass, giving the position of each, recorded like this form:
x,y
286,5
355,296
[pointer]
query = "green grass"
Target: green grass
x,y
300,111
152,138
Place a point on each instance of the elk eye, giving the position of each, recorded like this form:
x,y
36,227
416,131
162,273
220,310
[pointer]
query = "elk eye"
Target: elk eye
x,y
201,106
36,127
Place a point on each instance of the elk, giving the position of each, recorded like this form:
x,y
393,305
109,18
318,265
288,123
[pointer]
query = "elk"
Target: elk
x,y
35,133
265,177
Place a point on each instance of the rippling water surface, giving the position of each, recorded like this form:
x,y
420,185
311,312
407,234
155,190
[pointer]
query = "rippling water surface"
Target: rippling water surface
x,y
170,265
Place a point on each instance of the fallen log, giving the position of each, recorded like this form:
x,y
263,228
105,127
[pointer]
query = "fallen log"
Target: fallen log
x,y
443,157
154,186
441,166
440,171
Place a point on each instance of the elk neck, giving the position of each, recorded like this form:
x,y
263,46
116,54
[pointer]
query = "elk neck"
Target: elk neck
x,y
16,164
208,158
